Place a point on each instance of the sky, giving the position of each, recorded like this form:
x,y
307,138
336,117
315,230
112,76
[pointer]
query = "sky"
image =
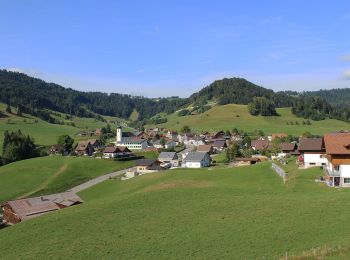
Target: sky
x,y
176,47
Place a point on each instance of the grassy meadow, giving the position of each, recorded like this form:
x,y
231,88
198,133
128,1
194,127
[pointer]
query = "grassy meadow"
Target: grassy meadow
x,y
232,116
46,175
237,213
43,132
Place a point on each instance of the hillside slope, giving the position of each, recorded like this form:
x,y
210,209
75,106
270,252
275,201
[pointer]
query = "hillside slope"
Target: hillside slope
x,y
241,213
46,175
232,116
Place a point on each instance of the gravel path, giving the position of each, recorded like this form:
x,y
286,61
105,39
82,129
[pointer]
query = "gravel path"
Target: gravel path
x,y
97,180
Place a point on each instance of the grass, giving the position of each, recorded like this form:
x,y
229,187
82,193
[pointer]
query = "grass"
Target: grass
x,y
46,175
232,116
237,213
43,132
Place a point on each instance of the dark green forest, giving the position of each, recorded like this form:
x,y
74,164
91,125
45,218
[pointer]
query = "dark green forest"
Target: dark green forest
x,y
37,97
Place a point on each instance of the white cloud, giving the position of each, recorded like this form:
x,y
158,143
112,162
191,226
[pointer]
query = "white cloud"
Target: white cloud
x,y
345,57
346,74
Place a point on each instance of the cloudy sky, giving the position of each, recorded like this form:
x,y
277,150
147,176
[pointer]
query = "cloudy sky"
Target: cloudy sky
x,y
164,48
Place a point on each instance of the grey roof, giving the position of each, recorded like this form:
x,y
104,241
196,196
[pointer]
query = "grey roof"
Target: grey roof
x,y
167,156
145,162
132,140
195,156
219,143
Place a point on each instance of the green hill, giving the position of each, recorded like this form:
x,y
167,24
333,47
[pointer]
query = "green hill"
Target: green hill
x,y
232,116
240,213
46,175
46,133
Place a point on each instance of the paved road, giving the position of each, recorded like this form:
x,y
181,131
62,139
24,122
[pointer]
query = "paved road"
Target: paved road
x,y
97,180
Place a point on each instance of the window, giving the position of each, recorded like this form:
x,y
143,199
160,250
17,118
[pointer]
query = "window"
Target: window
x,y
336,167
312,163
347,180
322,156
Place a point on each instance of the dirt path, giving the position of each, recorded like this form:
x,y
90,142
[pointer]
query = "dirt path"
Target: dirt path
x,y
45,183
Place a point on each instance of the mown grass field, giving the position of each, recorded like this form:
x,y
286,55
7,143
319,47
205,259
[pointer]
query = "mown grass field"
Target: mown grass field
x,y
46,175
238,213
237,116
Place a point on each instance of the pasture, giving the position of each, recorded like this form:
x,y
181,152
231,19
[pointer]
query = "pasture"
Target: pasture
x,y
238,213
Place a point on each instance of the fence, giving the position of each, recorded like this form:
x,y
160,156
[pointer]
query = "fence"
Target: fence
x,y
280,172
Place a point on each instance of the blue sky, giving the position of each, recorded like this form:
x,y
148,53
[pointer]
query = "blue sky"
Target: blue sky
x,y
164,48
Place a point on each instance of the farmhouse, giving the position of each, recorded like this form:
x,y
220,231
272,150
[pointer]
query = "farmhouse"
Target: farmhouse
x,y
84,148
147,166
116,151
129,142
206,148
56,149
219,145
259,145
312,152
197,160
16,211
287,149
169,158
338,159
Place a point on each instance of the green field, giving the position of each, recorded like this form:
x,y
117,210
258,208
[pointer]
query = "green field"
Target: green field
x,y
239,213
237,116
46,175
43,132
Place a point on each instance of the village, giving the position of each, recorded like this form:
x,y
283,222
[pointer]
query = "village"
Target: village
x,y
191,150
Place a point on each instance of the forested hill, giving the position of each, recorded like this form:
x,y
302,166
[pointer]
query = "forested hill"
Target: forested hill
x,y
337,97
34,96
239,91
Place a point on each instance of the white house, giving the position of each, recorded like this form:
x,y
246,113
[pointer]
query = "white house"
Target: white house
x,y
130,143
169,159
338,159
312,152
197,160
191,140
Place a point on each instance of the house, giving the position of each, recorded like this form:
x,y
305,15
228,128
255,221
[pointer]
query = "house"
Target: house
x,y
96,144
197,160
171,135
147,166
84,148
205,148
259,145
170,144
130,142
116,151
16,211
56,149
338,159
287,149
159,144
191,140
169,158
219,145
312,152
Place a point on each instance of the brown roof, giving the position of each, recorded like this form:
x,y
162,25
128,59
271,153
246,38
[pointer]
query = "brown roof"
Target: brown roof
x,y
260,144
32,207
111,149
311,144
287,146
204,148
337,143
